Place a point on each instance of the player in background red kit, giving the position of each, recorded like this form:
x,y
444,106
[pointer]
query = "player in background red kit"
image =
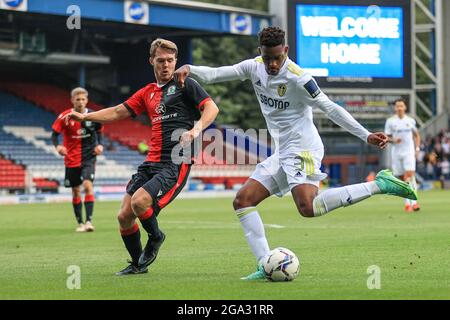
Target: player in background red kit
x,y
82,142
164,173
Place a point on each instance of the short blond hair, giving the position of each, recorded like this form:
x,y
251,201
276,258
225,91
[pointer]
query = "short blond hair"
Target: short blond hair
x,y
164,44
77,91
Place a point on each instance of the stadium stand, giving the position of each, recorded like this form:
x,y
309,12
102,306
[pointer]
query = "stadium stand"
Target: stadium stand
x,y
56,100
433,158
12,176
25,135
26,138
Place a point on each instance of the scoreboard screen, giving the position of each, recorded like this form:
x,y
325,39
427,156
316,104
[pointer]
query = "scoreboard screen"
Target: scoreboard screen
x,y
352,43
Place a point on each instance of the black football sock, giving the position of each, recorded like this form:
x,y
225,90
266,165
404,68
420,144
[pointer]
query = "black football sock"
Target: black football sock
x,y
132,240
89,206
150,224
77,209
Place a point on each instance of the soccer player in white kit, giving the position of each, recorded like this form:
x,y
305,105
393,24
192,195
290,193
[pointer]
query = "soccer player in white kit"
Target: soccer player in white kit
x,y
287,95
404,136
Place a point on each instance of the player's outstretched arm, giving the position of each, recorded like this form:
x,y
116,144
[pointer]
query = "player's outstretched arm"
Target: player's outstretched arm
x,y
378,139
311,94
208,75
118,112
344,119
209,114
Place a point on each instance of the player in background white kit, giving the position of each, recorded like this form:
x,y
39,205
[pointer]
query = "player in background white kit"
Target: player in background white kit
x,y
286,95
404,136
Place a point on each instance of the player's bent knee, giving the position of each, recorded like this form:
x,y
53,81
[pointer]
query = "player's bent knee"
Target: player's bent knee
x,y
242,200
76,192
140,203
88,187
126,220
306,210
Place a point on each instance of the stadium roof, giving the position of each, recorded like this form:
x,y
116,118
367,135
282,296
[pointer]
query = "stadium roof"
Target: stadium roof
x,y
209,6
104,22
180,14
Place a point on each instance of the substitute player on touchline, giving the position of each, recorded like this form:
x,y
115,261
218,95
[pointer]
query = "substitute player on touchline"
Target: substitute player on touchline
x,y
405,139
171,109
82,143
287,95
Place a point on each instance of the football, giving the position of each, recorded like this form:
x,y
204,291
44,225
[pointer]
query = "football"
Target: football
x,y
281,265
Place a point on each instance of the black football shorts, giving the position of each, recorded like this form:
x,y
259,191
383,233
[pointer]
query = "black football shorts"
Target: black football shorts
x,y
76,176
162,180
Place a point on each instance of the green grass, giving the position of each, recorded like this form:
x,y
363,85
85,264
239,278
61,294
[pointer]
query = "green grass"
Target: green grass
x,y
205,252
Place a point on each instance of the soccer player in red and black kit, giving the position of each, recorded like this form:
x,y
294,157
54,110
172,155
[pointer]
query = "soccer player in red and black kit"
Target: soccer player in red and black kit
x,y
82,142
162,176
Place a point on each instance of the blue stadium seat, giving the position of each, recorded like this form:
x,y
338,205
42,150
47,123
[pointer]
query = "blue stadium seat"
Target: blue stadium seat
x,y
19,119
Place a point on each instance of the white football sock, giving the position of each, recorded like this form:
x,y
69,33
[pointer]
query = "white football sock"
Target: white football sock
x,y
254,231
334,198
413,184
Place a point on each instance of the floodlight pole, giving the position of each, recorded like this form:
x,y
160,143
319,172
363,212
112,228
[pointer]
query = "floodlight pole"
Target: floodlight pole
x,y
427,99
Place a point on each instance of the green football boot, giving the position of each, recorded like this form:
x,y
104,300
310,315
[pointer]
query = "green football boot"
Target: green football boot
x,y
259,274
391,185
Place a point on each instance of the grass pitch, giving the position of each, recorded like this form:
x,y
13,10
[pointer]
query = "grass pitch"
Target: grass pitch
x,y
205,252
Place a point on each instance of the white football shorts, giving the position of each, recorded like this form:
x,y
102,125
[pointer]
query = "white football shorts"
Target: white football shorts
x,y
402,163
280,174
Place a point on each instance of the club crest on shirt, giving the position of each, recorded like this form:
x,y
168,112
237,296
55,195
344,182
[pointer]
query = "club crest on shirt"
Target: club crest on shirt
x,y
282,88
87,123
160,109
171,90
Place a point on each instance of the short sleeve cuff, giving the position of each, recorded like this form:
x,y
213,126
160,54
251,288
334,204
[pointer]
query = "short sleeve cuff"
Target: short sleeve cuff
x,y
130,110
202,103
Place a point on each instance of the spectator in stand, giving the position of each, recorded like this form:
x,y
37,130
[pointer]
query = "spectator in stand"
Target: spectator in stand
x,y
143,147
433,156
446,146
445,169
438,149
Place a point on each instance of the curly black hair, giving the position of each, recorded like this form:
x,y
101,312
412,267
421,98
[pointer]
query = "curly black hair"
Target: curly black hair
x,y
400,100
272,37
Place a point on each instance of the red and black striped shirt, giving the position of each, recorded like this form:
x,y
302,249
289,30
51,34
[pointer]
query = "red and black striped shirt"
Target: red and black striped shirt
x,y
169,108
79,138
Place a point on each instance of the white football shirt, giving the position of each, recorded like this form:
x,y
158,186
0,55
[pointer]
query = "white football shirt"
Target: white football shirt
x,y
402,128
286,101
